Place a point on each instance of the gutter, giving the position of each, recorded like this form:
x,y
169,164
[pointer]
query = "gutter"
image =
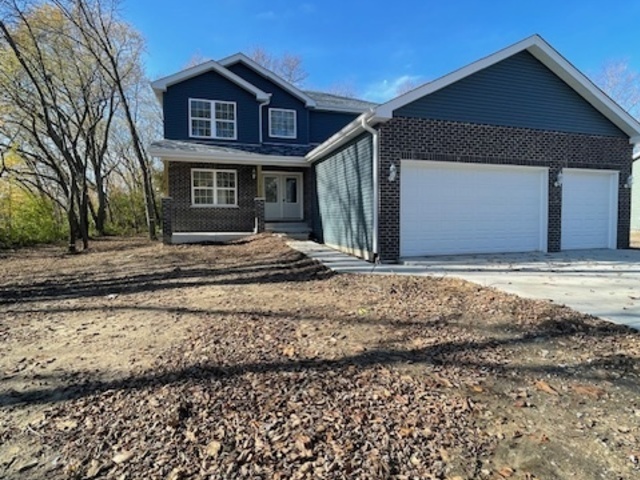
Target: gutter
x,y
376,182
262,104
241,159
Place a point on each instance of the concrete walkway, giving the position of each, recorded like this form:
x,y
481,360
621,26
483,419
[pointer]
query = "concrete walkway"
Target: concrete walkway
x,y
603,283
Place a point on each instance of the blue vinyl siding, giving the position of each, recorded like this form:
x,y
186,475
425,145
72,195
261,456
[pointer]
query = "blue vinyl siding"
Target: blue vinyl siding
x,y
518,92
324,124
635,197
210,86
279,99
343,214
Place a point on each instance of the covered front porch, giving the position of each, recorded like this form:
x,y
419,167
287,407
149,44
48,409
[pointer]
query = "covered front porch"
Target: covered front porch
x,y
217,194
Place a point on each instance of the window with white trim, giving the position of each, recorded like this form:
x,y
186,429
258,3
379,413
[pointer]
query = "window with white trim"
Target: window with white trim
x,y
214,188
282,123
212,119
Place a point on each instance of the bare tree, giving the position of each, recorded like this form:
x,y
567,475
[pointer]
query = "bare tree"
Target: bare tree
x,y
53,106
406,85
287,66
618,80
343,89
115,48
196,59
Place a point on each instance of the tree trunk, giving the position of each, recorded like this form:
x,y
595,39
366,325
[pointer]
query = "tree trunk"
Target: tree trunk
x,y
100,217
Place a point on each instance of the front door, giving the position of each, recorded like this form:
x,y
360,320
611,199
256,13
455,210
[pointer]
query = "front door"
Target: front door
x,y
283,196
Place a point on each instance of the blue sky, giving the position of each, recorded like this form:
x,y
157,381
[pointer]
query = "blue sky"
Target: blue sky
x,y
371,46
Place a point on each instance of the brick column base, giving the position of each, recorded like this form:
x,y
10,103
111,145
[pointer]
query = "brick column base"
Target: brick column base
x,y
259,206
167,227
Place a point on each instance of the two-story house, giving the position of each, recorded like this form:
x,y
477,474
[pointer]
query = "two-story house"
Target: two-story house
x,y
516,152
235,140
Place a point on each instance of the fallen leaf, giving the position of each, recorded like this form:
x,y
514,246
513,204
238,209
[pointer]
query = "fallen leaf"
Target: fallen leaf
x,y
545,387
589,391
289,351
213,449
122,457
506,472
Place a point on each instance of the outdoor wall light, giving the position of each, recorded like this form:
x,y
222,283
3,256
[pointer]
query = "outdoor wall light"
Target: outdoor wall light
x,y
558,182
393,172
253,173
629,182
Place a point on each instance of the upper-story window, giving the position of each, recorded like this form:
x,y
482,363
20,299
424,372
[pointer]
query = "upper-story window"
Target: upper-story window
x,y
282,123
212,119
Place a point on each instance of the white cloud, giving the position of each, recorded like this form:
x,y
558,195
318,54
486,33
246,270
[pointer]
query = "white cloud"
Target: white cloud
x,y
268,15
387,89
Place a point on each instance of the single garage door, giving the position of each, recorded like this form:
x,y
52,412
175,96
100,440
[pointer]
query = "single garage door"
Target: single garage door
x,y
589,209
452,208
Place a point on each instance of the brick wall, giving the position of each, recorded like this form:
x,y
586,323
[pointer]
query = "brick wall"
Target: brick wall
x,y
185,218
438,140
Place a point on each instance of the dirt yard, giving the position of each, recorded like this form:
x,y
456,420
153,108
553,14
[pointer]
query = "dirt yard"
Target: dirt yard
x,y
137,360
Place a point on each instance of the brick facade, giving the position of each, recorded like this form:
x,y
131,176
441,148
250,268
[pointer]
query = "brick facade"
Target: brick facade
x,y
438,140
186,218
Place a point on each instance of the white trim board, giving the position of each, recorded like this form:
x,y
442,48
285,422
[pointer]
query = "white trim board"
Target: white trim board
x,y
549,57
240,57
162,84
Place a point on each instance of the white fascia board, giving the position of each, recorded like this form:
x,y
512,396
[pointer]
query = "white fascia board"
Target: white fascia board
x,y
162,84
248,159
240,57
348,132
546,54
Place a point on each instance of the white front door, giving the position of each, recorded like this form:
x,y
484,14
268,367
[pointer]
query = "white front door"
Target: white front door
x,y
283,196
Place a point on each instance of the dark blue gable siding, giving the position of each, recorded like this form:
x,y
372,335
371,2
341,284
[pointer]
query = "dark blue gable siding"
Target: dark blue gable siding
x,y
210,86
343,196
519,92
324,124
279,99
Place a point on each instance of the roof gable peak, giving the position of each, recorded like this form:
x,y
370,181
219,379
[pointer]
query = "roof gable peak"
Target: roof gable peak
x,y
278,80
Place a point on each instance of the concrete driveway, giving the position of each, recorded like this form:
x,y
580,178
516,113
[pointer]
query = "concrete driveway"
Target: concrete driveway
x,y
604,283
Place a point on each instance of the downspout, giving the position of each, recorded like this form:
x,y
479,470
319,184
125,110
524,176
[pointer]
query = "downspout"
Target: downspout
x,y
376,187
263,104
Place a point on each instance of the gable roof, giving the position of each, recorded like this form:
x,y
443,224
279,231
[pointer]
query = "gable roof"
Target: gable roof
x,y
535,45
339,103
242,58
162,84
549,57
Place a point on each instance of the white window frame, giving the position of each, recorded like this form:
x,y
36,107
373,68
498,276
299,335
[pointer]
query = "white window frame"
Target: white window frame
x,y
215,188
212,120
295,123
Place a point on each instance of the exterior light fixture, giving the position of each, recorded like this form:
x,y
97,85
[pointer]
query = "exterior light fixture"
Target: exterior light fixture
x,y
629,182
558,182
253,173
393,172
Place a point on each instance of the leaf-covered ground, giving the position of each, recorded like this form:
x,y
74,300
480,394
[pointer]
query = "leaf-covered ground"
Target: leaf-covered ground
x,y
137,360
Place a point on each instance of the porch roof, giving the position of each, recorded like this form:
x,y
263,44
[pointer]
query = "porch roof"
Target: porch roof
x,y
176,150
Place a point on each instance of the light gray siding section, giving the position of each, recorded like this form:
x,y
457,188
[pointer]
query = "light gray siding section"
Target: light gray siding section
x,y
635,197
344,191
517,92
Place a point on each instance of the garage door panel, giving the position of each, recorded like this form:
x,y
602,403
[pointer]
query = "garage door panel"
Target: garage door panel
x,y
452,208
589,209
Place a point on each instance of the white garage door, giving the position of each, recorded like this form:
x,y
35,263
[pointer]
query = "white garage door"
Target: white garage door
x,y
589,209
451,208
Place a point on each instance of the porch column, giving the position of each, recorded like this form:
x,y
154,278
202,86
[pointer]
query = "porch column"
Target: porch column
x,y
259,206
259,182
167,227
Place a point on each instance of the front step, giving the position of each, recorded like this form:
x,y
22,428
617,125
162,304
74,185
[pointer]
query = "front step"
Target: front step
x,y
294,230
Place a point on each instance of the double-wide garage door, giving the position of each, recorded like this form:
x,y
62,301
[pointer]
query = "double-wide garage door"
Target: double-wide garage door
x,y
452,208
